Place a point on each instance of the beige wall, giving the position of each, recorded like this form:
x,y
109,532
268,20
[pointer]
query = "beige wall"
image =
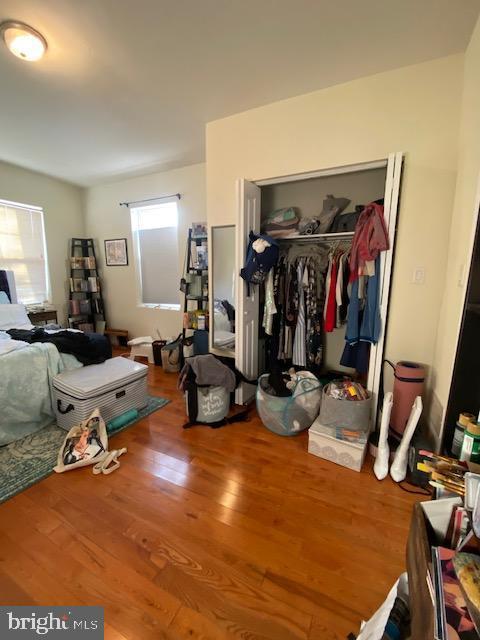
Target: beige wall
x,y
414,109
63,214
106,219
463,221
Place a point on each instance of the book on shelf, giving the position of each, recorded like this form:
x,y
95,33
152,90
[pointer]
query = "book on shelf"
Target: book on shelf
x,y
93,284
78,285
85,306
74,307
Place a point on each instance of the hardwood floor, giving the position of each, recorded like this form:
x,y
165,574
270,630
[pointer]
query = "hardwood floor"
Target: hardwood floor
x,y
208,533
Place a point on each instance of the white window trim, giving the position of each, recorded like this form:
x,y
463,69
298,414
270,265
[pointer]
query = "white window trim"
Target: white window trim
x,y
37,209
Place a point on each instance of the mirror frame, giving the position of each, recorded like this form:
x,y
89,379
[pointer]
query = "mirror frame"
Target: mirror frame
x,y
227,353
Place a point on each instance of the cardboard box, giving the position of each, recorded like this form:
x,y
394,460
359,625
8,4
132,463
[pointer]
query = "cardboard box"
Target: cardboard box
x,y
333,445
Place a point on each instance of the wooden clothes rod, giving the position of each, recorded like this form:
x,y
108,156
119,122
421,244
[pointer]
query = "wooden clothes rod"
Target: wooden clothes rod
x,y
172,195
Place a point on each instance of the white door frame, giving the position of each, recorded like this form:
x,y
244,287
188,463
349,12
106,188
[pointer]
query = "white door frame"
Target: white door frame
x,y
393,164
246,304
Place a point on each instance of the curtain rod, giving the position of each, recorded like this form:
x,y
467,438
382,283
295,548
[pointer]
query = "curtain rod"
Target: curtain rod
x,y
173,195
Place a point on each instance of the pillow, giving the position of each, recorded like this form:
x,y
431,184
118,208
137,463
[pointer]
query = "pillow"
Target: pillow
x,y
85,444
14,316
4,299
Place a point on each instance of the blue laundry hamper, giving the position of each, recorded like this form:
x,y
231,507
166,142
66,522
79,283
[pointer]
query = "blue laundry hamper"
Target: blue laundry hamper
x,y
292,414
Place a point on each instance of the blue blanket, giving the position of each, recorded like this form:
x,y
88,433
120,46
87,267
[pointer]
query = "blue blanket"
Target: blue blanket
x,y
25,389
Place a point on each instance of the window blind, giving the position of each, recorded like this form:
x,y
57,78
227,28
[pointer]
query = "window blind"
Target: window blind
x,y
23,250
156,242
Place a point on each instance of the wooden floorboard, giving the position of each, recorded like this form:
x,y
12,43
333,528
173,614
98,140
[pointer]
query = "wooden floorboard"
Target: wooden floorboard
x,y
208,533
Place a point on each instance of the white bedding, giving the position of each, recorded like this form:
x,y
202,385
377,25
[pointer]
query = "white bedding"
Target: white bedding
x,y
14,316
224,339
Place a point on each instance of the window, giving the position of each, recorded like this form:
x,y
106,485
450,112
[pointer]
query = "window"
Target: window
x,y
155,238
23,250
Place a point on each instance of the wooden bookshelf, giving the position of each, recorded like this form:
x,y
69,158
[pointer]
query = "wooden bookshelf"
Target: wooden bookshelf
x,y
85,304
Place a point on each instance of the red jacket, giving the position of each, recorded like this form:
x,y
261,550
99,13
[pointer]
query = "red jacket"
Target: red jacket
x,y
371,237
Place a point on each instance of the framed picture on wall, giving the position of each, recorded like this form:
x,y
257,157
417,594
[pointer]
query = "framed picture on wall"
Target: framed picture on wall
x,y
116,252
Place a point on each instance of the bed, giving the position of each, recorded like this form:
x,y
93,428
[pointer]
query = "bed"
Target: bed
x,y
26,372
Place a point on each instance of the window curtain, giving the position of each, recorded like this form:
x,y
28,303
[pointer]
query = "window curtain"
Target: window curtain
x,y
22,250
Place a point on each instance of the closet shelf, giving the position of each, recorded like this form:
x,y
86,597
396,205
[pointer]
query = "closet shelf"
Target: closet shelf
x,y
315,237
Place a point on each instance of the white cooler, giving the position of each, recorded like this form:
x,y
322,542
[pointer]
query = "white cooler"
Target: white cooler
x,y
115,386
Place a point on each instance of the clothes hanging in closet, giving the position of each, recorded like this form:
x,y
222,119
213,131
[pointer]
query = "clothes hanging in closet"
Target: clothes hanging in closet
x,y
305,294
336,286
317,288
363,317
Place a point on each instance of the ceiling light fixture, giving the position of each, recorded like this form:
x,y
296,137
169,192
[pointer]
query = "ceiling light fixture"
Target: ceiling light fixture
x,y
23,41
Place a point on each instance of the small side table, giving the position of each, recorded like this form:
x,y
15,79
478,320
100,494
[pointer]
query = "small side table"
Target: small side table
x,y
40,318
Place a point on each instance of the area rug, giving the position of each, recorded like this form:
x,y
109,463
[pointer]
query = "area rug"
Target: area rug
x,y
32,458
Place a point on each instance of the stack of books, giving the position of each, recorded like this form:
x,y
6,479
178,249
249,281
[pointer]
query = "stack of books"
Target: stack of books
x,y
78,262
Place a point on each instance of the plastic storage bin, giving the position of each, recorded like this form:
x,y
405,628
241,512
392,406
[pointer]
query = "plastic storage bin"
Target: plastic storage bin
x,y
330,444
115,386
213,403
345,414
288,416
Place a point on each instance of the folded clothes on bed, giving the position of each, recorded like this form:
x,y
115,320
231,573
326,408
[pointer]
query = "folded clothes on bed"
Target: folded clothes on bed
x,y
90,348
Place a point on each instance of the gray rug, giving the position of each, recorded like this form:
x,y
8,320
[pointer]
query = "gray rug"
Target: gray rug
x,y
32,458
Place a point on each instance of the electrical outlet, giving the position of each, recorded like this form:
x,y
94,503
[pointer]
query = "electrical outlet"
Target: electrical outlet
x,y
419,275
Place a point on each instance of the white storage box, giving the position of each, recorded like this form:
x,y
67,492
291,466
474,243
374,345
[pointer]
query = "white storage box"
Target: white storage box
x,y
326,442
115,386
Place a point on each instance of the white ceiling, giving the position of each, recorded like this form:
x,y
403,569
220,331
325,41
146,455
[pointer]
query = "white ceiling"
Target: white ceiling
x,y
128,85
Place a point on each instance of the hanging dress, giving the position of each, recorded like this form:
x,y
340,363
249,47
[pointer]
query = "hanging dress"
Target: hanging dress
x,y
299,344
270,308
330,304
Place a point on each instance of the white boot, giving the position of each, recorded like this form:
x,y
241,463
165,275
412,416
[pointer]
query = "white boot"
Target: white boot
x,y
380,468
398,470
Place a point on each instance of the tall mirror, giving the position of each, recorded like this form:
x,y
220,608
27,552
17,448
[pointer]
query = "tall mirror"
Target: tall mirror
x,y
223,289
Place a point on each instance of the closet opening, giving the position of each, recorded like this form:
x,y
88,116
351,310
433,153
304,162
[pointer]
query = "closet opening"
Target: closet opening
x,y
313,217
318,254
